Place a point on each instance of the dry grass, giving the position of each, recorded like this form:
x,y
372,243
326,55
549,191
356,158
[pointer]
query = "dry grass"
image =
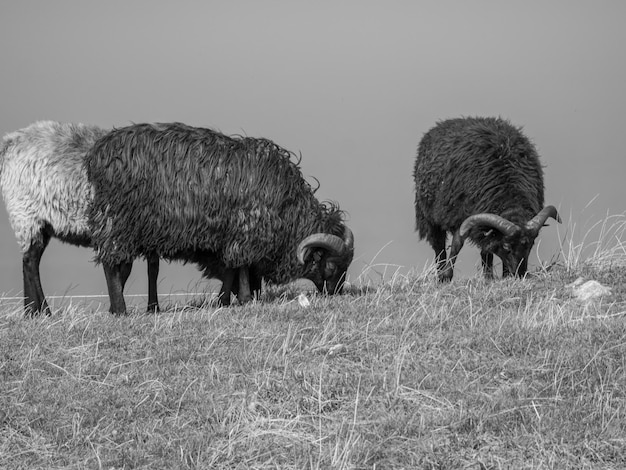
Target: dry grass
x,y
407,374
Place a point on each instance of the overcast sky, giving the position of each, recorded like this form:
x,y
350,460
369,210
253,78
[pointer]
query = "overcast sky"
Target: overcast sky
x,y
352,85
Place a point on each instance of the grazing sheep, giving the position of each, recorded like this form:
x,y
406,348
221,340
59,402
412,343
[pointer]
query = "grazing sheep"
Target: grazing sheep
x,y
185,193
479,178
46,193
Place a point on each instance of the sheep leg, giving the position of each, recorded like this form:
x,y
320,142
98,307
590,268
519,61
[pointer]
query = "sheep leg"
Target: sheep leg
x,y
125,271
438,242
34,299
505,270
153,274
255,282
114,276
455,248
235,285
487,262
243,294
227,287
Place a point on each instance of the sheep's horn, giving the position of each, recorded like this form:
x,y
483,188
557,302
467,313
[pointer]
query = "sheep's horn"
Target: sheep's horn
x,y
334,244
348,239
535,224
501,224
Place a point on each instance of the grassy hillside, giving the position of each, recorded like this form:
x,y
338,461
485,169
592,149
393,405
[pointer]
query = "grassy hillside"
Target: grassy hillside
x,y
409,374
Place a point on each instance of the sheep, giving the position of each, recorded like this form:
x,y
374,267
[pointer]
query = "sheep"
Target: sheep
x,y
46,194
480,178
186,192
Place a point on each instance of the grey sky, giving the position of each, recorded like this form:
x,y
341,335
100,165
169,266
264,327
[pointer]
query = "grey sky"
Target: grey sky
x,y
352,85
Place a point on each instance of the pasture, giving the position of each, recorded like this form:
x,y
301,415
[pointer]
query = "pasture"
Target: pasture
x,y
409,373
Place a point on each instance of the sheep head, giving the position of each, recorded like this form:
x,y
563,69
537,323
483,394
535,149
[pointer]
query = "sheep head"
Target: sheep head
x,y
507,240
326,259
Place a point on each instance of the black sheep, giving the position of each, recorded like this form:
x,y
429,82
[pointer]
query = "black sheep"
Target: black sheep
x,y
187,193
480,178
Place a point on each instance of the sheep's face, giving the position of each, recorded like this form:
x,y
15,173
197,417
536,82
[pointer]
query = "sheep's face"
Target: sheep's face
x,y
327,272
325,259
513,250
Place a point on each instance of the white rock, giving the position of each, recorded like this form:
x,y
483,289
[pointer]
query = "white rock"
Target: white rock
x,y
590,290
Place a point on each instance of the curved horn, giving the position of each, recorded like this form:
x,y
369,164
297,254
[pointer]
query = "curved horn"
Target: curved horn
x,y
332,243
535,224
507,227
348,239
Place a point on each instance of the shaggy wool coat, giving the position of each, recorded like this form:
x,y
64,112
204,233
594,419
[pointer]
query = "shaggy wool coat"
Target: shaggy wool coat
x,y
44,182
181,192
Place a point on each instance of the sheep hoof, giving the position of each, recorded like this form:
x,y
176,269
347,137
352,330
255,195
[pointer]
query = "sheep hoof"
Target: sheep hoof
x,y
153,308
